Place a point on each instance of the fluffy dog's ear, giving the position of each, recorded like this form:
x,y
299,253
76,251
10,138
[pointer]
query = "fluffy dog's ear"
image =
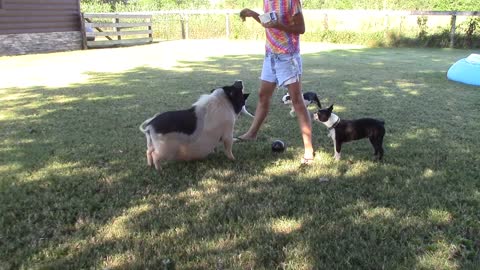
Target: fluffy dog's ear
x,y
228,91
238,84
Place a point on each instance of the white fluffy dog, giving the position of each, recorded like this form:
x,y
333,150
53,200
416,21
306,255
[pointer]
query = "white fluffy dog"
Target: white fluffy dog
x,y
194,133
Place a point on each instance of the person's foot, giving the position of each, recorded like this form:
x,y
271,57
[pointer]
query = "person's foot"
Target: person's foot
x,y
307,159
243,138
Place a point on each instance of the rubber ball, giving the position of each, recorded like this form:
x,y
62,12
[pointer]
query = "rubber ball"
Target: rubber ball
x,y
278,146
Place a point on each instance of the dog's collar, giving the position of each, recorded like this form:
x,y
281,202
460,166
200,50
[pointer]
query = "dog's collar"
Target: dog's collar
x,y
334,120
334,124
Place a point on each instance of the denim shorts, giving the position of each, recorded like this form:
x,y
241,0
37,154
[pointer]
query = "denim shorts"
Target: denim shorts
x,y
282,69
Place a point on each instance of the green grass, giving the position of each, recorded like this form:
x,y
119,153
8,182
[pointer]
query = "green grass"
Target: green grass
x,y
75,192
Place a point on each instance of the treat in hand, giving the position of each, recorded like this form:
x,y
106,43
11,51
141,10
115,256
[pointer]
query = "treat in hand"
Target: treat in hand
x,y
268,17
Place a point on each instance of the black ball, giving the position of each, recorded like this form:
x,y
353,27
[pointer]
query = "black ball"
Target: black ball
x,y
278,146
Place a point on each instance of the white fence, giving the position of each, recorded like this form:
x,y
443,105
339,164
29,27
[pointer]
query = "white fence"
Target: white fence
x,y
185,24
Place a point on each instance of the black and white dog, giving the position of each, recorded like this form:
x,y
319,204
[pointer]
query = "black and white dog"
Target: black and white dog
x,y
194,133
342,131
244,108
308,98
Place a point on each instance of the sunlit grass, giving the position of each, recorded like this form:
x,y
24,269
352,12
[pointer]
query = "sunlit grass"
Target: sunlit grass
x,y
75,192
285,226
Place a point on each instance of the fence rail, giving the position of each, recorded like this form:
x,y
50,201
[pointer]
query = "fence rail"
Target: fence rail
x,y
126,32
185,24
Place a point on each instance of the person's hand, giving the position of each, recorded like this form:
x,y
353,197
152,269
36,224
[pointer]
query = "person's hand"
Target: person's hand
x,y
246,12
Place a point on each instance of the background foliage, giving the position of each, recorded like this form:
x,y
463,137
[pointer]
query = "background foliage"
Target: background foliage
x,y
465,5
374,31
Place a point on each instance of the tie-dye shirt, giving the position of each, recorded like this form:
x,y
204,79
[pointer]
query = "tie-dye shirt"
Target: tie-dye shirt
x,y
279,41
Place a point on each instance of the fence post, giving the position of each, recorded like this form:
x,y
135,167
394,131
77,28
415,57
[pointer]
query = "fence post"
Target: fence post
x,y
184,21
150,35
402,21
117,29
325,22
453,21
386,24
84,32
227,24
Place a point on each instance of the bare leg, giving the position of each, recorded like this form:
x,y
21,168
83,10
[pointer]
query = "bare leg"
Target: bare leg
x,y
263,106
149,156
228,142
303,118
156,160
150,149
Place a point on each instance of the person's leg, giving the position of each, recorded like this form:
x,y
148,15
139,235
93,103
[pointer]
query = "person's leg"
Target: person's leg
x,y
264,97
304,121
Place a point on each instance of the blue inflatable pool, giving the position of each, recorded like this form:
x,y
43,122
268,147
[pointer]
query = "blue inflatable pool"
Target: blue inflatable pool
x,y
466,70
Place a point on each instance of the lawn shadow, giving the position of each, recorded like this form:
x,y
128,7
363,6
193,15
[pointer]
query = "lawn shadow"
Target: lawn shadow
x,y
78,194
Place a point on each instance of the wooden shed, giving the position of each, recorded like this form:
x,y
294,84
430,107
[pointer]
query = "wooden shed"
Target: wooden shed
x,y
37,26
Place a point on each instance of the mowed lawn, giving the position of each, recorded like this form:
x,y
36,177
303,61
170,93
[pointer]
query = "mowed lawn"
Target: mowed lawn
x,y
75,191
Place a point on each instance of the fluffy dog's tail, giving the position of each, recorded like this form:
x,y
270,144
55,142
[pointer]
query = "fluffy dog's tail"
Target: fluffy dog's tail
x,y
143,127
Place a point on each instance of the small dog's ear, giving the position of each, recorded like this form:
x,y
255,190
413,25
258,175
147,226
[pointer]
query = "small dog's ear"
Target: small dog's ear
x,y
330,109
245,96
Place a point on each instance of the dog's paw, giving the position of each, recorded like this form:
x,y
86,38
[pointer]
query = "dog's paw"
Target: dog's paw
x,y
230,156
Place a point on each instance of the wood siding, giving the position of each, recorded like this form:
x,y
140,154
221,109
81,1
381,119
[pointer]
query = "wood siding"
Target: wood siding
x,y
39,16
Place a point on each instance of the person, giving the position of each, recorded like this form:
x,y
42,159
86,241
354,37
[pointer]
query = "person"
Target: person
x,y
282,66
